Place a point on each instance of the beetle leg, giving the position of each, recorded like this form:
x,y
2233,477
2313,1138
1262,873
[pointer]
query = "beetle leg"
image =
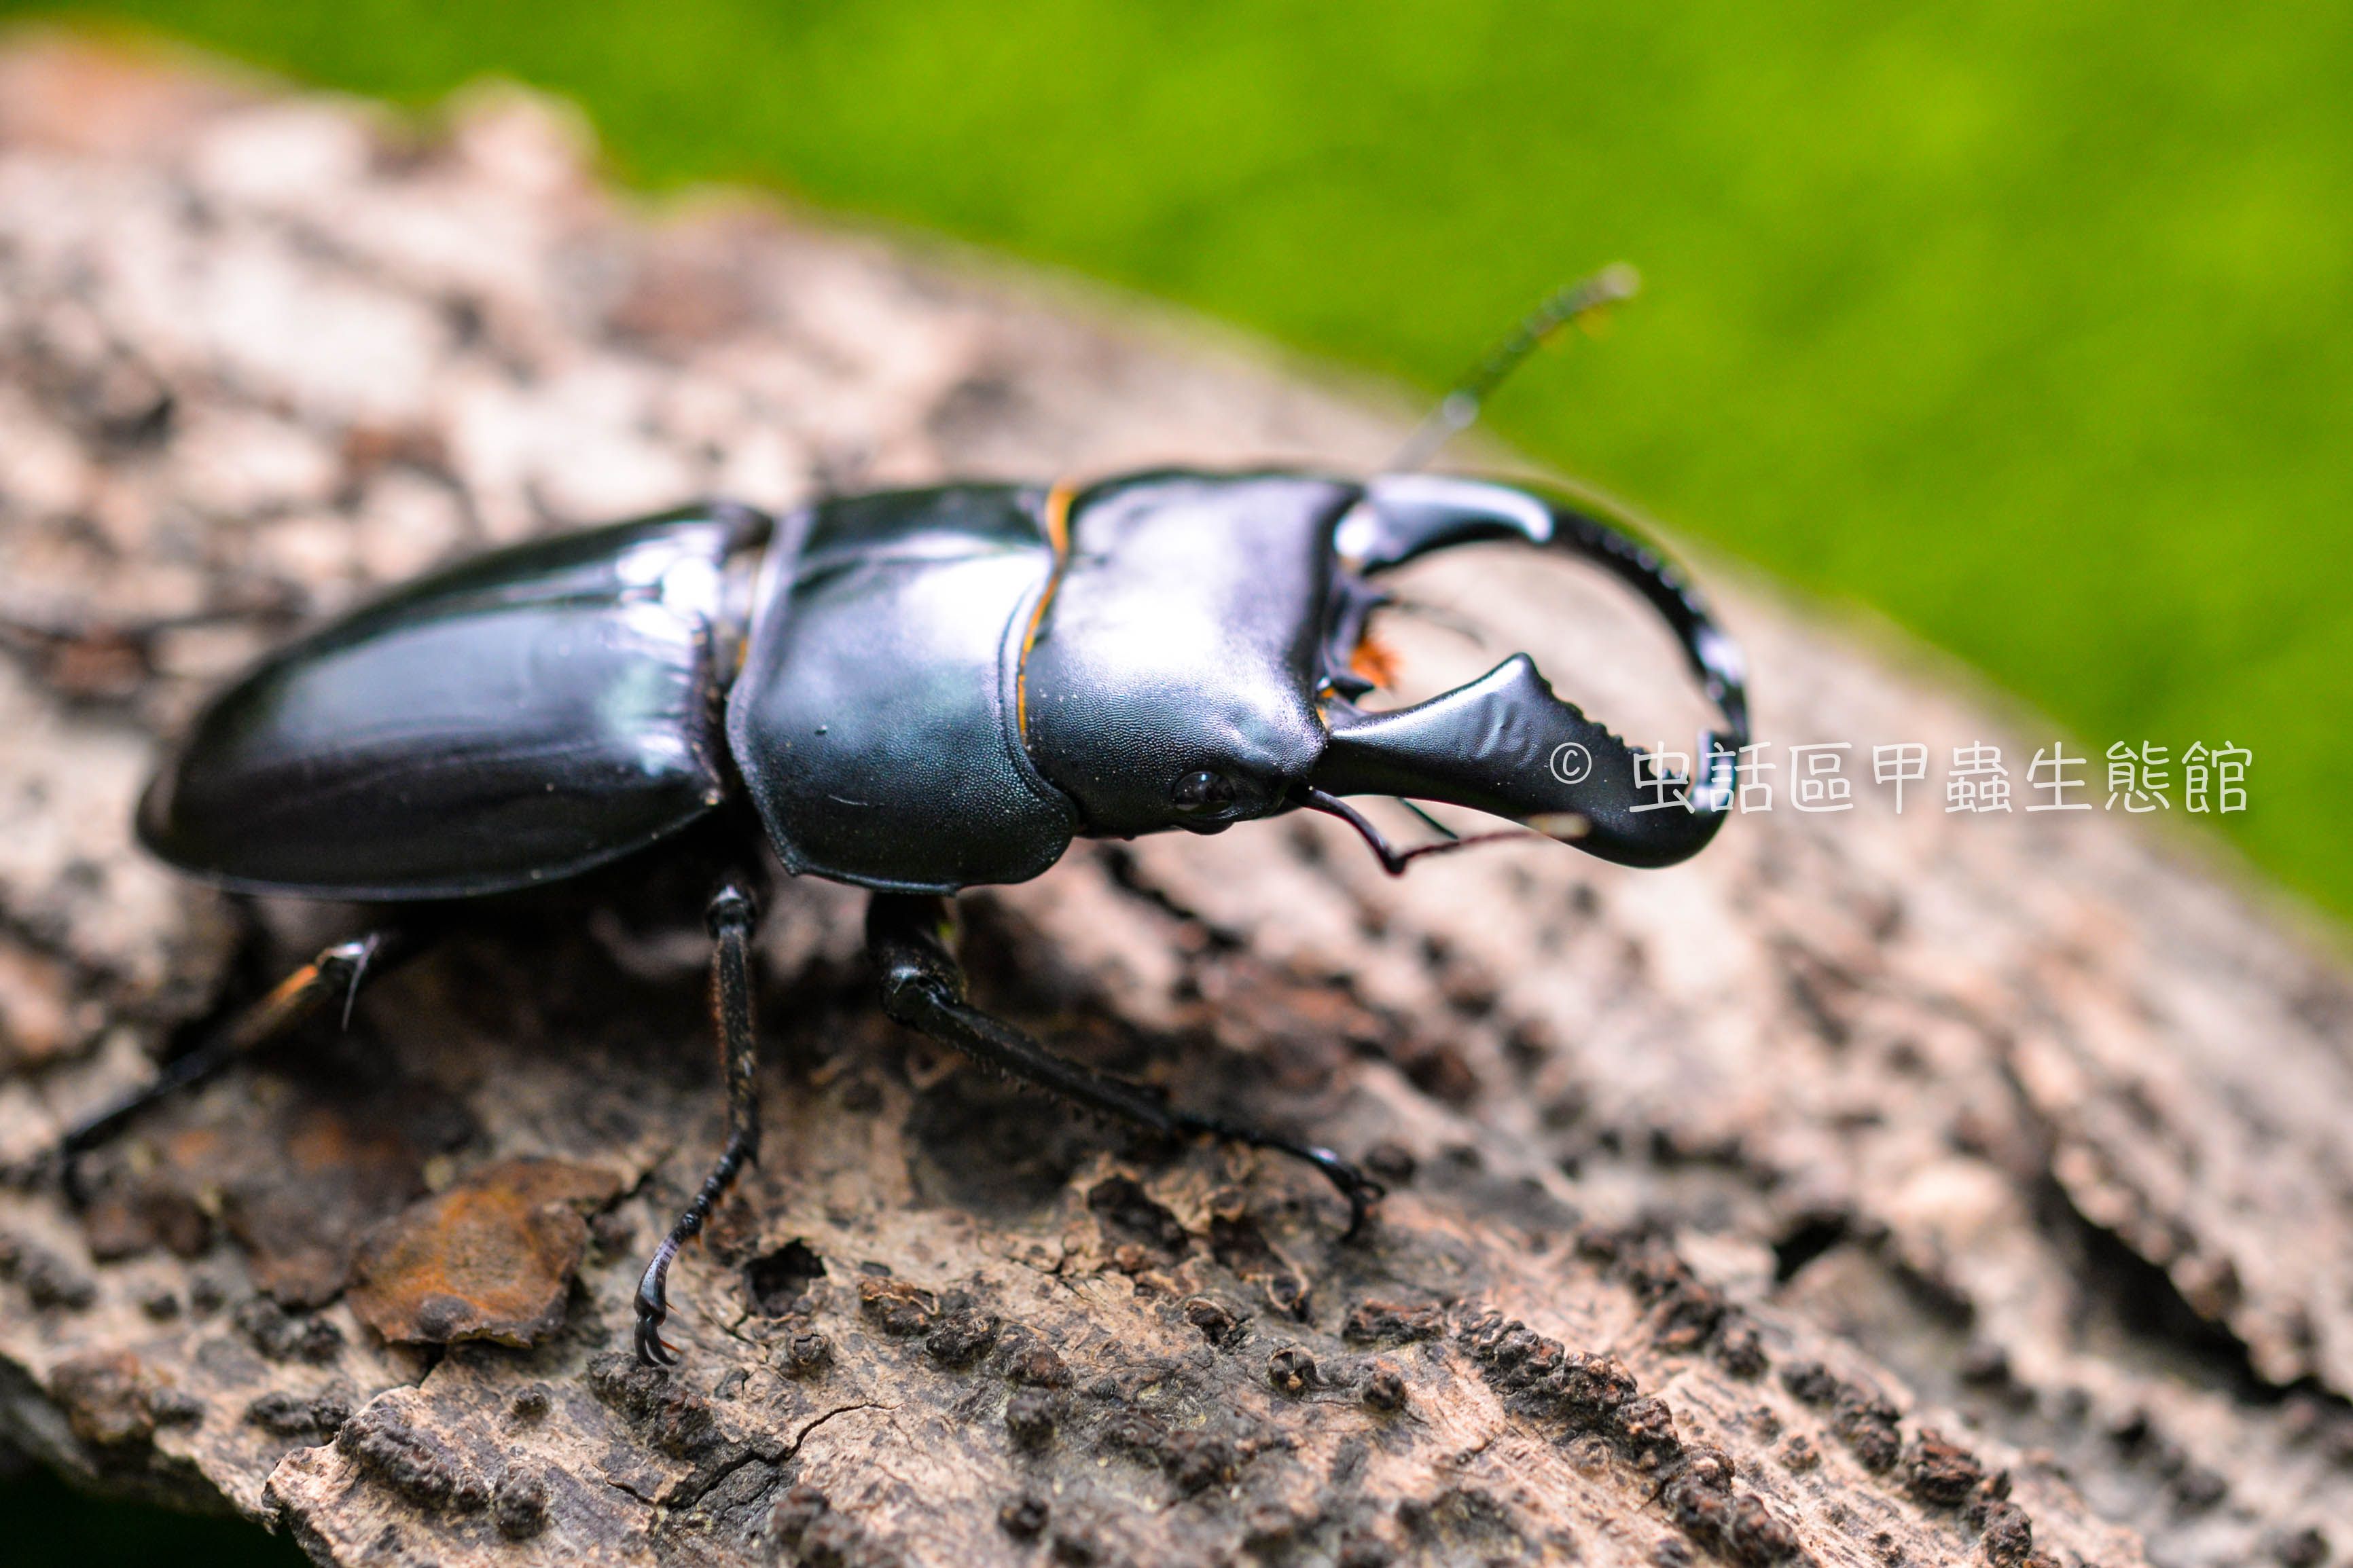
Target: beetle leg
x,y
923,988
732,915
336,971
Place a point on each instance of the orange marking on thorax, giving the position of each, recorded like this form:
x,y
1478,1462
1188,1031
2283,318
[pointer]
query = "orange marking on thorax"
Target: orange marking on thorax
x,y
1374,660
1057,536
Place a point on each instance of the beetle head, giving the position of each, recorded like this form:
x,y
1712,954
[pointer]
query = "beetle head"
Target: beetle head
x,y
1189,666
1170,680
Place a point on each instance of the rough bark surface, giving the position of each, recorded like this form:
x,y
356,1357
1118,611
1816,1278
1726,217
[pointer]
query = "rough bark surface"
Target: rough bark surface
x,y
1878,1188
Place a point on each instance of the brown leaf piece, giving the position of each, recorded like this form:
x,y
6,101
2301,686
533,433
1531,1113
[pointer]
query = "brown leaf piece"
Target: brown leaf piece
x,y
489,1259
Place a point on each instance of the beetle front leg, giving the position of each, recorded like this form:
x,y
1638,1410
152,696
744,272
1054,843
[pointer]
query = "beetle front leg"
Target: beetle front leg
x,y
730,915
908,937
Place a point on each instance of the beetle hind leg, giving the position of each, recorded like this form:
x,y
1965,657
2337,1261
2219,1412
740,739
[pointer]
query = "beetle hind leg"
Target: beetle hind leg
x,y
732,915
923,988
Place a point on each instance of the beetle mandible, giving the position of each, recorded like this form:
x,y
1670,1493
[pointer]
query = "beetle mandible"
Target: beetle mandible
x,y
913,692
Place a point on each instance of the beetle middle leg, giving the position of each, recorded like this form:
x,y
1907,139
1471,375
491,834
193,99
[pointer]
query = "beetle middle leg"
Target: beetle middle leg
x,y
337,972
923,988
731,916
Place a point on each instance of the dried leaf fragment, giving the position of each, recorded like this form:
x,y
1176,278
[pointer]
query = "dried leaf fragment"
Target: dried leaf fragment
x,y
489,1259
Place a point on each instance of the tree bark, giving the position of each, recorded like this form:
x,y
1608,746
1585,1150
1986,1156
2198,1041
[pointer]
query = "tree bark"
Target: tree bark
x,y
1881,1188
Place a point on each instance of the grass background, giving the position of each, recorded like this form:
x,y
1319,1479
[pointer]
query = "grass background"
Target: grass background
x,y
2028,326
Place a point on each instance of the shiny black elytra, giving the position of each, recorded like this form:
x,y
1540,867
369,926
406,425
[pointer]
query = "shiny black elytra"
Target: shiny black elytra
x,y
915,692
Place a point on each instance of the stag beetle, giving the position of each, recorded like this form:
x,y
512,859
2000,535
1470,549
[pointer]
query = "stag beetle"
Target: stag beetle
x,y
915,692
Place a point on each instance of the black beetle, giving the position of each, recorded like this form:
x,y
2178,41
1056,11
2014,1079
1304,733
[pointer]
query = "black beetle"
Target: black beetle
x,y
915,692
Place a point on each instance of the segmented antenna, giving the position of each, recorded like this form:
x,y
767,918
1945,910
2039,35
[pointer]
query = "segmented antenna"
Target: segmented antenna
x,y
1459,409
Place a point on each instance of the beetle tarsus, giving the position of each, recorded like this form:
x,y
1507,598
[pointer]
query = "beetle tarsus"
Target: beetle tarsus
x,y
653,1307
1360,1191
923,988
731,916
653,1286
353,959
338,969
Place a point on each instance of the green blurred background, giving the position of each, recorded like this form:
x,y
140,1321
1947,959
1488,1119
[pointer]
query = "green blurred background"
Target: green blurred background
x,y
2028,326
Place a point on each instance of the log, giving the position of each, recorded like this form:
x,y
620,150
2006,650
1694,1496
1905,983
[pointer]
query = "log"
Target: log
x,y
1881,1187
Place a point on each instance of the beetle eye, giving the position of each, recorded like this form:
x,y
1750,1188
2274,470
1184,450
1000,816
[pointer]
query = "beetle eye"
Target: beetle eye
x,y
1201,790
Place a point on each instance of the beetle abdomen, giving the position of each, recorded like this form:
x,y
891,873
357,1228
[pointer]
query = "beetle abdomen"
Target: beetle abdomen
x,y
514,721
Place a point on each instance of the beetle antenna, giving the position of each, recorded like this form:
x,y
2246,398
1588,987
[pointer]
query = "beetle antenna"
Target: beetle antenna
x,y
1459,409
1393,859
1441,828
